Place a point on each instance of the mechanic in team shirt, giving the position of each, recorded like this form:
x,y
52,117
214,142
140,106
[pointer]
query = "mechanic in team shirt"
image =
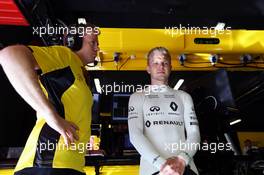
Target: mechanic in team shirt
x,y
52,81
162,122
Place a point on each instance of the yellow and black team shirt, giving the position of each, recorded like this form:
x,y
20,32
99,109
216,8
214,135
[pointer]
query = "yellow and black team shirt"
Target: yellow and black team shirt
x,y
63,82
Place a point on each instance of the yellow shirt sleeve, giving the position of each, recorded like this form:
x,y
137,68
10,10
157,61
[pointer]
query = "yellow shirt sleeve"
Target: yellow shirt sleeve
x,y
51,58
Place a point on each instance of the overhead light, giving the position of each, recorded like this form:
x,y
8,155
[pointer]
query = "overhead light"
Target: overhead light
x,y
82,21
213,59
98,85
178,84
234,115
182,58
220,26
235,121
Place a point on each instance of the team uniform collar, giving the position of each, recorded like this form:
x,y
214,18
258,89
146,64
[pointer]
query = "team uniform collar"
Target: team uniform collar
x,y
159,88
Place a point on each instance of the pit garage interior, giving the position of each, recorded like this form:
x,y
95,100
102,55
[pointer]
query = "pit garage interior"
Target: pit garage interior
x,y
223,72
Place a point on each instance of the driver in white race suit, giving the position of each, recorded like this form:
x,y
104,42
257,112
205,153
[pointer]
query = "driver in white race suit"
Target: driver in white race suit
x,y
162,122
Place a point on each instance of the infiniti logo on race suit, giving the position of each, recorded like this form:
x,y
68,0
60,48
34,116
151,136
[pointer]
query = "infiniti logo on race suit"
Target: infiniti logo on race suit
x,y
132,112
131,108
154,108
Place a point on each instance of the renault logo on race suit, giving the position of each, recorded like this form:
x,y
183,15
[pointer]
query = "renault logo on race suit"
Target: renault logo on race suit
x,y
148,123
173,106
154,108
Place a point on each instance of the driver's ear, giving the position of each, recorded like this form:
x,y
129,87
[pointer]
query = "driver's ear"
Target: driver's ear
x,y
148,69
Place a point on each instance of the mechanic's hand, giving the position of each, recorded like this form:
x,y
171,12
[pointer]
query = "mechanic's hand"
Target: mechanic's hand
x,y
173,166
65,128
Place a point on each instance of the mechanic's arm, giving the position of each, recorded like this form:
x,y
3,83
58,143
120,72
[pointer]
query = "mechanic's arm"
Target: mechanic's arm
x,y
19,65
192,130
137,137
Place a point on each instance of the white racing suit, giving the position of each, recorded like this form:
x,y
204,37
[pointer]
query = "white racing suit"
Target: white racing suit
x,y
162,124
